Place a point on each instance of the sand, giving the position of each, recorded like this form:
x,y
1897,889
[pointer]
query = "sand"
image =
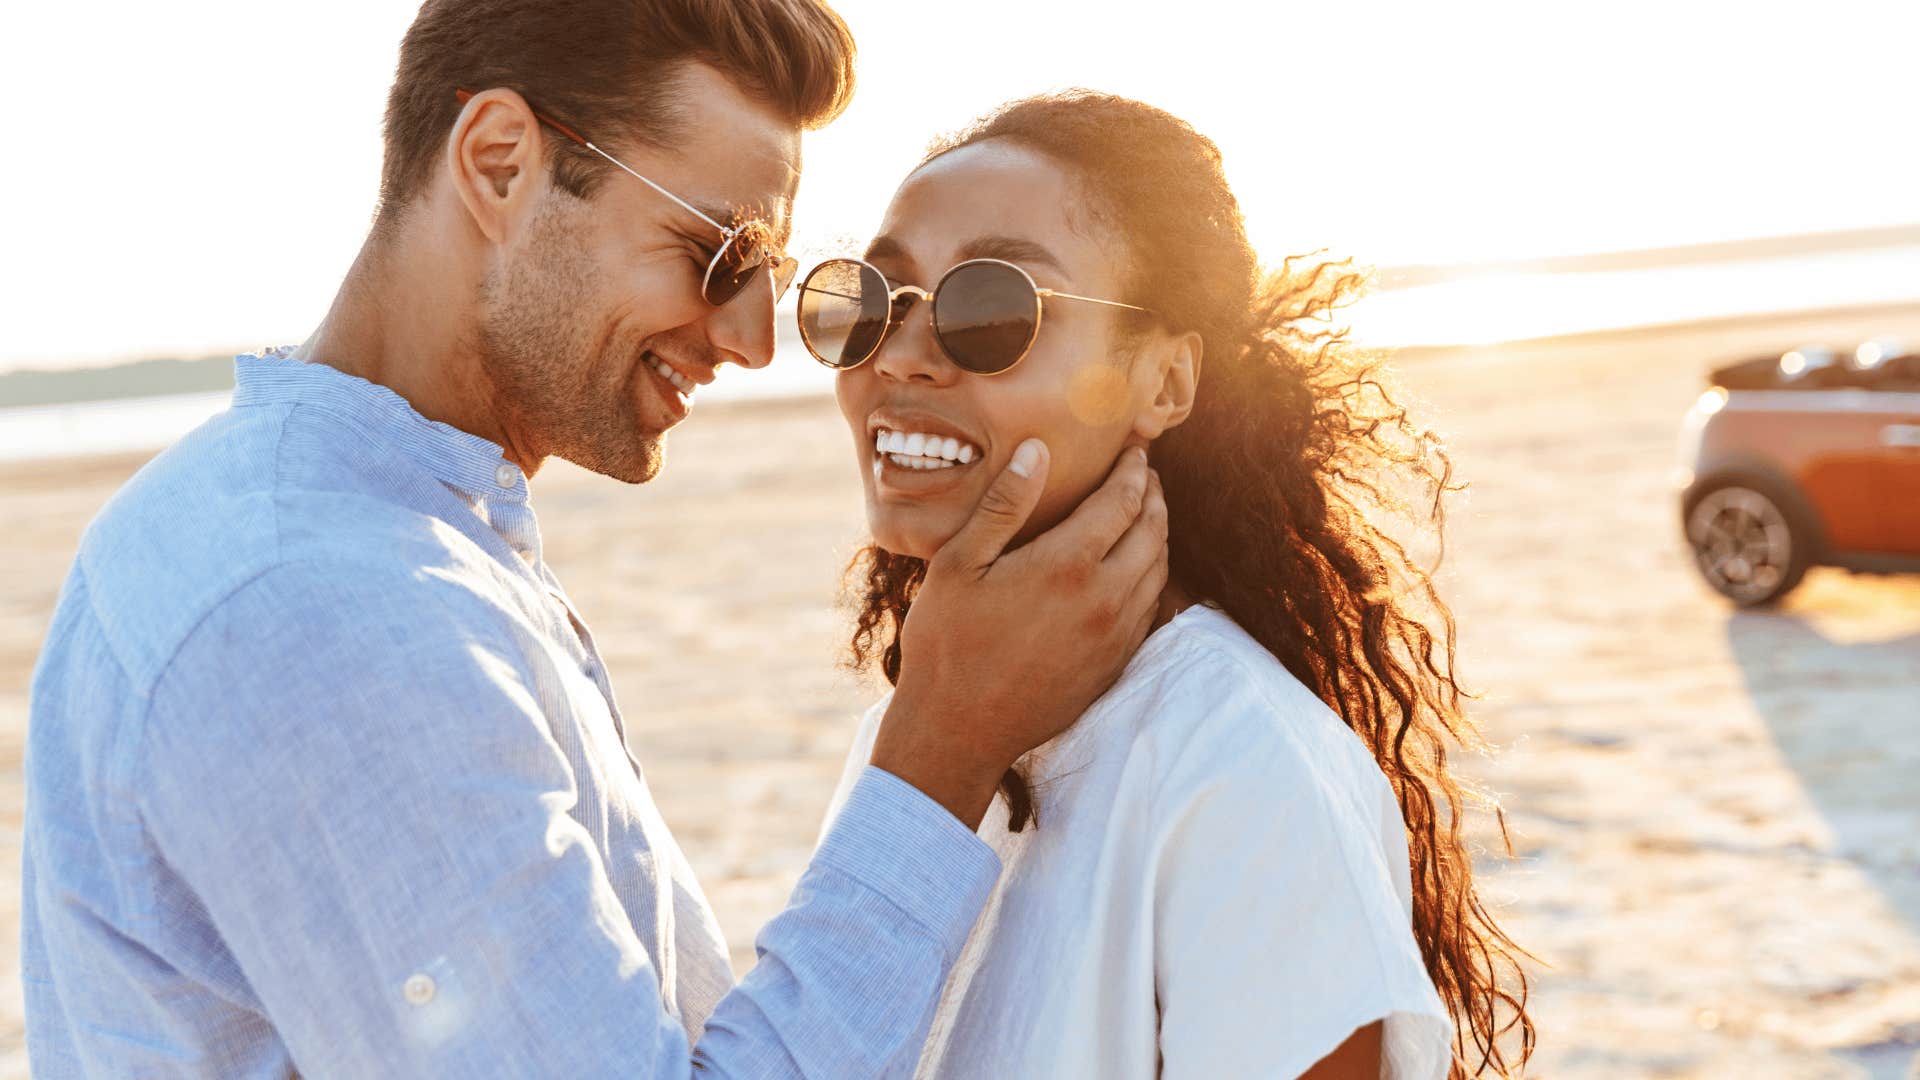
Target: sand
x,y
1717,815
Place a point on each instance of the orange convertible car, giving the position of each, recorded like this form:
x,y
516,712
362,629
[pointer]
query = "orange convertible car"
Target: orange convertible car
x,y
1808,458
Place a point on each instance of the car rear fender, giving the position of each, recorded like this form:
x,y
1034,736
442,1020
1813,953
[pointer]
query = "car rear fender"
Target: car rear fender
x,y
1748,470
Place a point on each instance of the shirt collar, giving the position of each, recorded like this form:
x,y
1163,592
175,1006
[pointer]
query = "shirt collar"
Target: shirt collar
x,y
460,459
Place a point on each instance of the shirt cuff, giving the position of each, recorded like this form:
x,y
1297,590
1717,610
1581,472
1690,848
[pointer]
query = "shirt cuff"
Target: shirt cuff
x,y
896,841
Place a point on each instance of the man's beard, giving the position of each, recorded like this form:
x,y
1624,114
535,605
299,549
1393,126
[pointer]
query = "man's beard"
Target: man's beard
x,y
566,394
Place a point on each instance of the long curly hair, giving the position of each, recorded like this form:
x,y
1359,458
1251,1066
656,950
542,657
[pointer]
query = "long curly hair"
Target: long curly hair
x,y
1280,486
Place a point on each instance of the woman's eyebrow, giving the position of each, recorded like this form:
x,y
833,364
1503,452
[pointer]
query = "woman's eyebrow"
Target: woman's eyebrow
x,y
886,247
1022,253
899,265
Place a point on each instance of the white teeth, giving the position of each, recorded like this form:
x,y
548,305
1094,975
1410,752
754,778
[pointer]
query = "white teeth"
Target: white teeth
x,y
905,462
922,451
680,382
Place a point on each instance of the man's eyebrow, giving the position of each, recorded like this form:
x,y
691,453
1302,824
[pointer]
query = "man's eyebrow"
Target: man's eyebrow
x,y
780,225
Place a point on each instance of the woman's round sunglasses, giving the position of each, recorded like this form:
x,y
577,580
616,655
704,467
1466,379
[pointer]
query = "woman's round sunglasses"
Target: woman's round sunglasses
x,y
744,248
986,313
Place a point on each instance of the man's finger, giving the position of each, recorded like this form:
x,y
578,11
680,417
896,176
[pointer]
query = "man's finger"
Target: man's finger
x,y
1103,517
1142,549
1002,510
1144,604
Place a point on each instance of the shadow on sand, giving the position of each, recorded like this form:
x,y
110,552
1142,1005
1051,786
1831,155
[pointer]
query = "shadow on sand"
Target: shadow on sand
x,y
1846,716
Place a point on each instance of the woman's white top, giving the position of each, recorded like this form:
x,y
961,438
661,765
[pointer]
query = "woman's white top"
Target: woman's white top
x,y
1217,887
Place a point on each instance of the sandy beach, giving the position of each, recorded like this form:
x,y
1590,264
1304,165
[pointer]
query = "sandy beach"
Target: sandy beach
x,y
1716,814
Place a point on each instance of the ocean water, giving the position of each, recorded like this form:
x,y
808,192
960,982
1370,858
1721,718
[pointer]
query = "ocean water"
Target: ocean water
x,y
1481,310
1474,310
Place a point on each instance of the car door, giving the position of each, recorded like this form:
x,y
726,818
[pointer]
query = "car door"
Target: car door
x,y
1894,417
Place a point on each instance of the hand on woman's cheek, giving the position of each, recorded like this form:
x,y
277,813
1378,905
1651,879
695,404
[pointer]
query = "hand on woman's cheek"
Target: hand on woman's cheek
x,y
1087,420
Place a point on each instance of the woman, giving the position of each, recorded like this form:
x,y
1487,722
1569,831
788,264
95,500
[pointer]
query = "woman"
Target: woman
x,y
1246,859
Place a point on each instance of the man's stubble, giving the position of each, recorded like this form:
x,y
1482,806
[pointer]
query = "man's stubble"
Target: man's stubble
x,y
567,392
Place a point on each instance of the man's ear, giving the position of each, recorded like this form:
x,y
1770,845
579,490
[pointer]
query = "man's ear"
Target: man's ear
x,y
495,158
1178,370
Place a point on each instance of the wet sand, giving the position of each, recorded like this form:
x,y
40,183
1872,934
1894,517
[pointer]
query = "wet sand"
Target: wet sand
x,y
1717,815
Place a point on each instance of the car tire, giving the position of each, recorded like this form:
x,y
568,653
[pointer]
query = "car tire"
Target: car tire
x,y
1751,538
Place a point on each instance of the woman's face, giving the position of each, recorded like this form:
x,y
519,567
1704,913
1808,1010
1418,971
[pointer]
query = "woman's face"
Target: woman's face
x,y
1074,389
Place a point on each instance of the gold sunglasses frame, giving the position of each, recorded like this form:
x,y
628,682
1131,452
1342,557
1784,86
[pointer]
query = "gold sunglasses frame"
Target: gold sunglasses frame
x,y
897,313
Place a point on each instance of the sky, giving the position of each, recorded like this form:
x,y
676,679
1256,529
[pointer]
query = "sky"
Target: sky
x,y
188,178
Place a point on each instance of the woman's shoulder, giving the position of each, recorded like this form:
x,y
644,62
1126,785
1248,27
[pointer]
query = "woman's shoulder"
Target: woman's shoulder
x,y
1210,706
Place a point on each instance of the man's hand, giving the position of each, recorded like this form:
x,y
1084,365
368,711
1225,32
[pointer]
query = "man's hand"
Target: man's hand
x,y
1004,650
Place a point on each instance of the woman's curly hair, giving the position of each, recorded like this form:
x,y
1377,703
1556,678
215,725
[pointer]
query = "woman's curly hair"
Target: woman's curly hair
x,y
1280,486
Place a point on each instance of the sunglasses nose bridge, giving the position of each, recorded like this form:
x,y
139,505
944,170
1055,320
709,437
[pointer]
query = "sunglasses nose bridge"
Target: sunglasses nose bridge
x,y
900,304
903,299
901,353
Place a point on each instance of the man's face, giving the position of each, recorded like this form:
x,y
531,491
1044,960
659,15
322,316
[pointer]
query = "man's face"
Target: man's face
x,y
581,307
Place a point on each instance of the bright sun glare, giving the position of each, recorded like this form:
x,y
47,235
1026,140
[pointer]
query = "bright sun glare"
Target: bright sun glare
x,y
208,173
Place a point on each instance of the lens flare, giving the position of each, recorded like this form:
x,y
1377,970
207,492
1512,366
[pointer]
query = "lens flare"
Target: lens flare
x,y
1097,395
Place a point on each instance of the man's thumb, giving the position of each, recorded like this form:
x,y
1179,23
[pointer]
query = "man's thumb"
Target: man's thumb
x,y
1003,509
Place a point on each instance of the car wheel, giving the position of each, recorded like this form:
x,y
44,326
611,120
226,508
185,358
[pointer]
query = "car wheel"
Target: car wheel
x,y
1747,543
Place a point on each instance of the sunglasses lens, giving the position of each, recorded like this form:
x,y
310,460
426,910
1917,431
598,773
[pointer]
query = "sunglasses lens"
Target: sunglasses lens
x,y
843,312
985,315
739,260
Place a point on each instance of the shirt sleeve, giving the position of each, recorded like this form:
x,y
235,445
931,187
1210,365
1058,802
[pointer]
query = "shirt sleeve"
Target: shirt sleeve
x,y
1278,929
353,777
856,765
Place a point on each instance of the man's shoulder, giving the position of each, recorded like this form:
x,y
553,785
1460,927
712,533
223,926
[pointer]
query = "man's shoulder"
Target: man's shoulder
x,y
221,512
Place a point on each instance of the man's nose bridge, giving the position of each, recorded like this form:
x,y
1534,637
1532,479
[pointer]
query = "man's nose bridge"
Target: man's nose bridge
x,y
744,327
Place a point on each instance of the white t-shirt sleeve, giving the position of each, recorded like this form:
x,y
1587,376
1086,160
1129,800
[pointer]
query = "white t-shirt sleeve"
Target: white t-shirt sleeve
x,y
1279,929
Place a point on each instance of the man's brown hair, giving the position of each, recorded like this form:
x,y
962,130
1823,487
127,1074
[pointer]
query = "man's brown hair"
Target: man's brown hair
x,y
607,69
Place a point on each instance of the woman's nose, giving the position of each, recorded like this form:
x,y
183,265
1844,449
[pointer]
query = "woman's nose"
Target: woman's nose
x,y
910,353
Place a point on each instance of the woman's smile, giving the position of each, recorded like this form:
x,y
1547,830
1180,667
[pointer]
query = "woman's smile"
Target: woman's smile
x,y
917,454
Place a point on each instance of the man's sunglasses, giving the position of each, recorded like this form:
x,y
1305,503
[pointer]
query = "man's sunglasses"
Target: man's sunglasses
x,y
986,313
744,249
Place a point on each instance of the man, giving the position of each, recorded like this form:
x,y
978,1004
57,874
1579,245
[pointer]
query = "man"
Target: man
x,y
325,771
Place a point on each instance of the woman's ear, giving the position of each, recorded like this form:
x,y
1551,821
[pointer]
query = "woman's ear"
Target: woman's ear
x,y
1178,371
494,160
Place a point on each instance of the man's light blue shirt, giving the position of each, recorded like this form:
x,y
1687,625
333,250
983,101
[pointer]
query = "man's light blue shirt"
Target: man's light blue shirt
x,y
325,774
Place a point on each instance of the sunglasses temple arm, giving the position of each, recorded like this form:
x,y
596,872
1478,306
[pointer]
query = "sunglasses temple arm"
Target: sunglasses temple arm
x,y
1051,294
689,207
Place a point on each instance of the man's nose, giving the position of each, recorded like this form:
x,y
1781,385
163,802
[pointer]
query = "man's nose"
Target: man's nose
x,y
742,328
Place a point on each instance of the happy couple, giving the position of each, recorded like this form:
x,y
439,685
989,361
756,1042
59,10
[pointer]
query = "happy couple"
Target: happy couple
x,y
325,772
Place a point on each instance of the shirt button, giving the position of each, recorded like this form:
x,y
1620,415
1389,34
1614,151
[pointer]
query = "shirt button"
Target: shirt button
x,y
506,475
419,989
